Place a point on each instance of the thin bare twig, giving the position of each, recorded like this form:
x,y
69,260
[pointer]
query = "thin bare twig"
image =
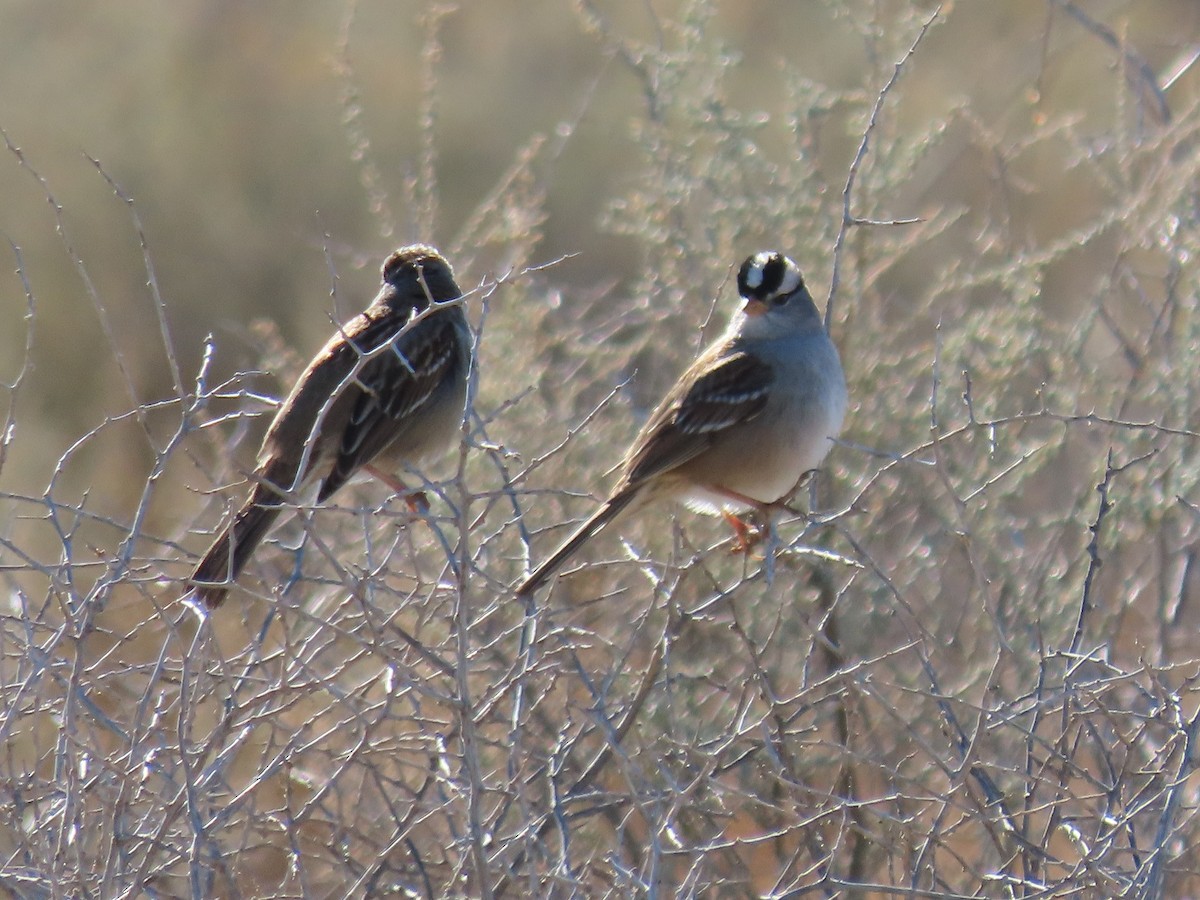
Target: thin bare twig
x,y
848,218
1093,547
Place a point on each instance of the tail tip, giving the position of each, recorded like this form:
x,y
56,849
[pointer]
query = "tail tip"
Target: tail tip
x,y
204,598
533,581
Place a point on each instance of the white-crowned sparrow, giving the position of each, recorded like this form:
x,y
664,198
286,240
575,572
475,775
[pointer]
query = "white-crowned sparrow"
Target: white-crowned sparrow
x,y
749,418
387,390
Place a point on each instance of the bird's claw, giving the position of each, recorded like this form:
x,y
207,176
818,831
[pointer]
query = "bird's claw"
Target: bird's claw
x,y
745,535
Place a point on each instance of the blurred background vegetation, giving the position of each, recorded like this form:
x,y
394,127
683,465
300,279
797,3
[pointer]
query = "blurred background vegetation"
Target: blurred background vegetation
x,y
1024,305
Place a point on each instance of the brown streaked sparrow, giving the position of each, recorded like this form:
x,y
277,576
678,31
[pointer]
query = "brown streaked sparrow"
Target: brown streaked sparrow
x,y
386,391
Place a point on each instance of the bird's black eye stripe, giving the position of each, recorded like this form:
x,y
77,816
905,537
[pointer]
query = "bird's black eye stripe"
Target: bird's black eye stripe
x,y
762,277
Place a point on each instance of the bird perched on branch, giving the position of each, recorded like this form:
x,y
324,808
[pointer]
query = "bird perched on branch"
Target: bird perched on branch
x,y
386,391
750,417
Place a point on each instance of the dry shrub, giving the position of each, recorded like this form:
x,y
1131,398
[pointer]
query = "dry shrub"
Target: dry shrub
x,y
970,673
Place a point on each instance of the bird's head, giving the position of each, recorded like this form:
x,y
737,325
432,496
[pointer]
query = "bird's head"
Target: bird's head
x,y
417,274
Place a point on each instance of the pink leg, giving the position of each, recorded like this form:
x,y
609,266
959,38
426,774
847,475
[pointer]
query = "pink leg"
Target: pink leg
x,y
745,537
416,500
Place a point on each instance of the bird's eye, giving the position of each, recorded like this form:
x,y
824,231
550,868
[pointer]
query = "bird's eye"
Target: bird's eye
x,y
780,299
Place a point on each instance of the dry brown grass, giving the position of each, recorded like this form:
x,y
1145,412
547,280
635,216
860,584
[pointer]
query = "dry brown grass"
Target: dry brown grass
x,y
972,673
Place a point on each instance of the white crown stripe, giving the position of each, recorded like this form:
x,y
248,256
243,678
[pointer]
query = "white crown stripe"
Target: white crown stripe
x,y
791,278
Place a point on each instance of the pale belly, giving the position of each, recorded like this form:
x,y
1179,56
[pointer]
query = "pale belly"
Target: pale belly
x,y
763,464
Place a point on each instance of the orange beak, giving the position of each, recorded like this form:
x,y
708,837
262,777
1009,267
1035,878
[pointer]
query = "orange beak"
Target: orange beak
x,y
754,307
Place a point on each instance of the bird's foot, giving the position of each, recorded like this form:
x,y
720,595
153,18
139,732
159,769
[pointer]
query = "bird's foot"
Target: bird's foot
x,y
417,502
746,536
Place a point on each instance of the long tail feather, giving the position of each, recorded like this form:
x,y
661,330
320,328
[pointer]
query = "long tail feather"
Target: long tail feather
x,y
235,545
582,535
